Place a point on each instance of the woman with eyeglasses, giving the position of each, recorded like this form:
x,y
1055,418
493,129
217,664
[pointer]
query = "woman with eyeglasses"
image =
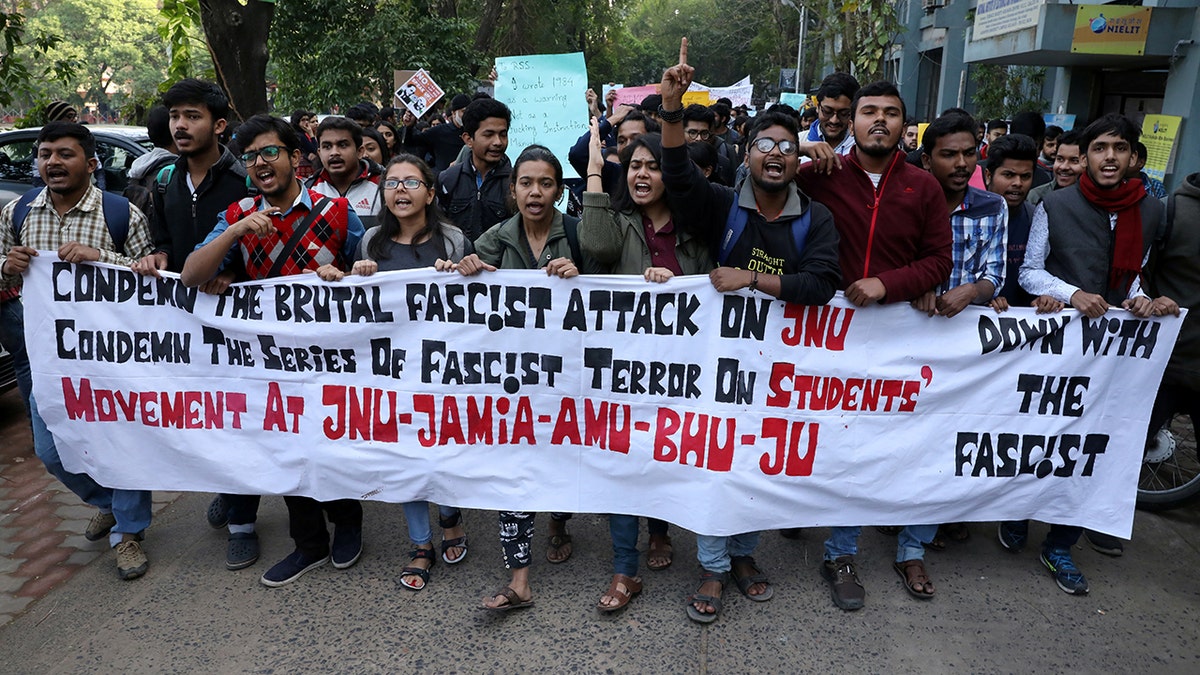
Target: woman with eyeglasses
x,y
539,237
635,232
412,233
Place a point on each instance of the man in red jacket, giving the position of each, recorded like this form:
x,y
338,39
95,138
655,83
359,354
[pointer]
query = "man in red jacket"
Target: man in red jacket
x,y
894,245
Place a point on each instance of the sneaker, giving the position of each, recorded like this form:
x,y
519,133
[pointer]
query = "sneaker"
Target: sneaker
x,y
842,575
218,513
1066,575
1105,543
347,546
131,561
291,568
1013,535
99,526
242,550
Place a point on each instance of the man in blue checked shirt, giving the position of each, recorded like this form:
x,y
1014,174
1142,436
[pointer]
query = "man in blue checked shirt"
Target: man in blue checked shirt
x,y
978,219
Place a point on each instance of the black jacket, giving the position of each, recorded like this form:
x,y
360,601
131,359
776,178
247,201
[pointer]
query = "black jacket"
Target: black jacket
x,y
182,220
475,210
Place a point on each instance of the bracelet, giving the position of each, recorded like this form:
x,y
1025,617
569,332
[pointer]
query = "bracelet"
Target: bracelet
x,y
754,280
595,174
670,116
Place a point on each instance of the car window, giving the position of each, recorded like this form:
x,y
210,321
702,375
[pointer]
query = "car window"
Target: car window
x,y
16,161
116,161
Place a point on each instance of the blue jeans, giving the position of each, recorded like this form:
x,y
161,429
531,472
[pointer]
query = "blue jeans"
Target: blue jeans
x,y
417,515
910,543
715,553
12,336
624,531
132,508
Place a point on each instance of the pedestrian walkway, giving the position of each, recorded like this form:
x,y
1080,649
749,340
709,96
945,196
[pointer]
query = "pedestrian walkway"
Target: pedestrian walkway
x,y
41,522
994,611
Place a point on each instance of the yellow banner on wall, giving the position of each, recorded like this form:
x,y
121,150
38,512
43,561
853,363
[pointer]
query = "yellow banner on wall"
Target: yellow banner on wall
x,y
1109,29
1158,134
700,97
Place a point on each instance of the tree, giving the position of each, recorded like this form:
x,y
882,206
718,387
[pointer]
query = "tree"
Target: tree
x,y
237,33
1003,91
363,42
114,41
857,34
17,80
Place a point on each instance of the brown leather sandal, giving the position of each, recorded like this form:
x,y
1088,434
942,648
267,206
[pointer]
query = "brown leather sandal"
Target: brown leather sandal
x,y
623,588
916,580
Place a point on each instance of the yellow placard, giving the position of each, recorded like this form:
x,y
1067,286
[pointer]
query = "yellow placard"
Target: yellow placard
x,y
921,127
701,97
1110,29
1158,134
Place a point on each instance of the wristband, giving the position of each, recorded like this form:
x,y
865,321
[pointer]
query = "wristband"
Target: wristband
x,y
596,175
670,116
754,280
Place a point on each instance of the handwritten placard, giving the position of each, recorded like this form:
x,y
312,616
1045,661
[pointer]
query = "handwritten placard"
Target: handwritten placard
x,y
546,95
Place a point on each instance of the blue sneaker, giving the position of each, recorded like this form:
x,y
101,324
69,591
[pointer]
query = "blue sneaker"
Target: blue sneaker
x,y
347,546
1013,535
1066,575
291,568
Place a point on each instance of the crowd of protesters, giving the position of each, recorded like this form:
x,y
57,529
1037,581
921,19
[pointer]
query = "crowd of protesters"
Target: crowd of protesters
x,y
845,195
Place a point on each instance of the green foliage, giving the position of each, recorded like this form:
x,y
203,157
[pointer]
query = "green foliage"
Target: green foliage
x,y
339,52
857,35
113,41
179,25
1004,91
19,81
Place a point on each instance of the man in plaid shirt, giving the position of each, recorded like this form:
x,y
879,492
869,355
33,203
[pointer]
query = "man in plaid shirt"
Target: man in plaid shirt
x,y
978,219
68,216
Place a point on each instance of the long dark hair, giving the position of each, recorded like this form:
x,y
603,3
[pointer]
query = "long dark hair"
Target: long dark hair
x,y
621,199
389,225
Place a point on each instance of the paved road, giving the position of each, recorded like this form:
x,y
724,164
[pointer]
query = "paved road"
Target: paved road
x,y
995,612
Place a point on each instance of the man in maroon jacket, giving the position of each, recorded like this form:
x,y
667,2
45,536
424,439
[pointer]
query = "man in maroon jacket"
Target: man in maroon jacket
x,y
895,241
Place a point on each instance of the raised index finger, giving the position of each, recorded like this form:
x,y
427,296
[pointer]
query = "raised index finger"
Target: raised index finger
x,y
683,52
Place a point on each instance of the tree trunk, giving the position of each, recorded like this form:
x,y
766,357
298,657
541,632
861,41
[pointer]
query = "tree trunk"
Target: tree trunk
x,y
488,19
237,40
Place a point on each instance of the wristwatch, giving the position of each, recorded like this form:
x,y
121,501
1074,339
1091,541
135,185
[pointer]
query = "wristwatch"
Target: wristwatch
x,y
670,116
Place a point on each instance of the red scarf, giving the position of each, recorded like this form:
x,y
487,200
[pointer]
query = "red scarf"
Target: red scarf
x,y
1123,201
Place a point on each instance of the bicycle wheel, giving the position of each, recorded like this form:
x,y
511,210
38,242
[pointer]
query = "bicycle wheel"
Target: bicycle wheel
x,y
1170,475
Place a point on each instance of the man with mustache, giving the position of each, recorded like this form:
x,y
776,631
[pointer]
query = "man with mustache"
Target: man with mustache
x,y
978,219
1087,246
188,197
895,246
1068,165
345,172
83,224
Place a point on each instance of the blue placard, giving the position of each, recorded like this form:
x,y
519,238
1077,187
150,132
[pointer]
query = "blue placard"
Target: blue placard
x,y
546,95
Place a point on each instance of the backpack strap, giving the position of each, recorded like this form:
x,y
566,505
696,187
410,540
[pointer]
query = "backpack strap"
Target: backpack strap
x,y
21,211
735,225
163,178
571,228
116,215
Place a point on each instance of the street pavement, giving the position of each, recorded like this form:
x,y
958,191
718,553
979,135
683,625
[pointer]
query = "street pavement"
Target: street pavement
x,y
63,609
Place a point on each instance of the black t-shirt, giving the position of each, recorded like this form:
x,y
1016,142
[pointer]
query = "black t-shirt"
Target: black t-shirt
x,y
410,256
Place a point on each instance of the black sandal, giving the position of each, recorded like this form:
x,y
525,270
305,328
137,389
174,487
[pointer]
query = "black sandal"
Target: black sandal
x,y
713,601
457,542
418,554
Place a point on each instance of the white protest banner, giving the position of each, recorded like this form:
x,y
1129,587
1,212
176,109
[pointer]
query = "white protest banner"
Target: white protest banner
x,y
419,93
740,93
598,394
546,95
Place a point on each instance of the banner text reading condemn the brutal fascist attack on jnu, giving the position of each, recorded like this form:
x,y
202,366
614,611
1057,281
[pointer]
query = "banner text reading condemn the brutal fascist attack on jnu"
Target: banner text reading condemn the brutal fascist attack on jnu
x,y
722,413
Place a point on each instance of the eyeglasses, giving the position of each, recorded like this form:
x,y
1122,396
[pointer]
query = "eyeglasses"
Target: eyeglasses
x,y
827,113
408,183
270,153
766,145
702,134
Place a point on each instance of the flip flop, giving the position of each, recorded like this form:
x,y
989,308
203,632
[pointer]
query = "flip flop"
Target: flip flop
x,y
756,577
514,601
